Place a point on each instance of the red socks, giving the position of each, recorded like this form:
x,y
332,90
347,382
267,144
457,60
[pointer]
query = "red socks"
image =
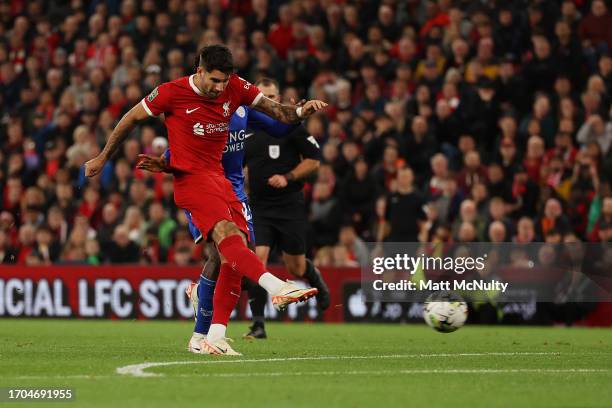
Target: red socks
x,y
241,258
240,261
227,294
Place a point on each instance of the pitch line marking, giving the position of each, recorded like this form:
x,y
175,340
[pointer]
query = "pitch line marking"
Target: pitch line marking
x,y
351,372
137,370
393,372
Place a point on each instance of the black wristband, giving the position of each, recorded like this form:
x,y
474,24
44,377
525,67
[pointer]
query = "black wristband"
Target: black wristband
x,y
289,176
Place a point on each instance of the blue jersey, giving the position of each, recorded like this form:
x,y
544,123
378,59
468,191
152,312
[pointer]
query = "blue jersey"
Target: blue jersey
x,y
233,154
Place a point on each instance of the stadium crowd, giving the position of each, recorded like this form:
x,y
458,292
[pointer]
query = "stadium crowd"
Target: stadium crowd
x,y
448,120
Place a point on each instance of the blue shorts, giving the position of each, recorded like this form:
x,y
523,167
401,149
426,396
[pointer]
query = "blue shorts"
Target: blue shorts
x,y
246,212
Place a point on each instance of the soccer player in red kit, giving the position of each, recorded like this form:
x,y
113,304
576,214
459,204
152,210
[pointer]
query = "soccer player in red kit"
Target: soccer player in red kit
x,y
197,111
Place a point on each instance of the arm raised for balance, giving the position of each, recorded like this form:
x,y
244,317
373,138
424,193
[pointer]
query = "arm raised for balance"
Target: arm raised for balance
x,y
288,113
117,137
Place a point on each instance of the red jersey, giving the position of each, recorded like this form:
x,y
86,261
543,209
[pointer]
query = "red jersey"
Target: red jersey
x,y
198,126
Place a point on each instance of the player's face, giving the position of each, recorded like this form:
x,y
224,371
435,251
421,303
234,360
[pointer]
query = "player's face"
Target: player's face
x,y
212,83
271,92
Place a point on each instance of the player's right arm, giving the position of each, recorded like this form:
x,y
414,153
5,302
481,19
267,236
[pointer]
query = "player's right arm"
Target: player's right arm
x,y
157,102
117,137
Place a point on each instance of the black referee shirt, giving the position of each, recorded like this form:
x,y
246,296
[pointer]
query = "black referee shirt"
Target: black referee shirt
x,y
266,156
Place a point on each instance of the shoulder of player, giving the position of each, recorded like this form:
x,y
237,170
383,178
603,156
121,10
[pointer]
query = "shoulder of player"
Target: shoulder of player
x,y
236,81
171,87
235,78
180,83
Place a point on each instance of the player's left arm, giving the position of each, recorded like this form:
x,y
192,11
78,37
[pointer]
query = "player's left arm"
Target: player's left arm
x,y
155,164
288,113
309,150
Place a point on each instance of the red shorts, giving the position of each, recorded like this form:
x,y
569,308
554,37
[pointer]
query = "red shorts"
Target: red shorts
x,y
210,199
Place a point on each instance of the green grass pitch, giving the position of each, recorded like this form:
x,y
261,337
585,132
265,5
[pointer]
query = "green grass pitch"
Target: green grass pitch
x,y
310,365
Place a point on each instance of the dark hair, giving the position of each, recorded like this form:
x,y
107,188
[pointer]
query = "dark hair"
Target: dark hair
x,y
217,57
265,81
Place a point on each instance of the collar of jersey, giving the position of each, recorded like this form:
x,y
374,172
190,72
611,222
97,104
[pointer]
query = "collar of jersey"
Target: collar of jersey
x,y
193,86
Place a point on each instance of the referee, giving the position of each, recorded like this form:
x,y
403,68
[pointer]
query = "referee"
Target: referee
x,y
276,170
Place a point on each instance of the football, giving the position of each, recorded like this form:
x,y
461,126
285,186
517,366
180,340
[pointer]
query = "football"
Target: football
x,y
445,311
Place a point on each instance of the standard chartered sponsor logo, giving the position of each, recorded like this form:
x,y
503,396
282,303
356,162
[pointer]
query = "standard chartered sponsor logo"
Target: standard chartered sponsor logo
x,y
198,129
216,127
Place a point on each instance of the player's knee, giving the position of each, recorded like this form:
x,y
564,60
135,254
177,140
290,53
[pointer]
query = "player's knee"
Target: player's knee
x,y
224,229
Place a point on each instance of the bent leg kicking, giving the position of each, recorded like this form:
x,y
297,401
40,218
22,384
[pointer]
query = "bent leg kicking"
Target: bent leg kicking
x,y
237,261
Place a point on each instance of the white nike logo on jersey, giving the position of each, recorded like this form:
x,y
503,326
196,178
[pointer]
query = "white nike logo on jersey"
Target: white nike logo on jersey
x,y
188,111
248,135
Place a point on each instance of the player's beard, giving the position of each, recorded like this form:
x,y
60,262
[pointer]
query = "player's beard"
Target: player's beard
x,y
211,94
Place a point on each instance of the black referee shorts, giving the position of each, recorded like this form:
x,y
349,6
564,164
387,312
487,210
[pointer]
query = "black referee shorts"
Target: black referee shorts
x,y
288,234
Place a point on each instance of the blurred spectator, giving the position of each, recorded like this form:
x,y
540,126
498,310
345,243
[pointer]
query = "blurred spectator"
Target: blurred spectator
x,y
421,144
46,249
603,227
110,219
122,249
553,218
498,214
325,216
439,175
158,218
594,28
469,215
525,231
134,222
342,259
405,209
92,250
27,239
595,129
386,172
466,232
356,248
182,245
359,193
8,255
497,232
472,173
448,201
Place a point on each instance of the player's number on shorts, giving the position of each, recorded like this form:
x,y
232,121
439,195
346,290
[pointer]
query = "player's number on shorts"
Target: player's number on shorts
x,y
246,212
